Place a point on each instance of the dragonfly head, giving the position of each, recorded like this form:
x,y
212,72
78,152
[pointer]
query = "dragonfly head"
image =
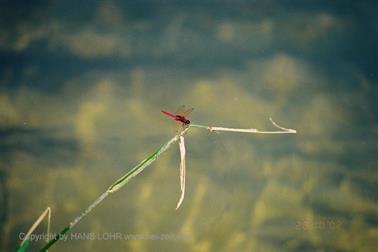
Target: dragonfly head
x,y
187,122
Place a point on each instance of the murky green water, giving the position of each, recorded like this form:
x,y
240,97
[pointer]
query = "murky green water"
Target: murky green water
x,y
82,85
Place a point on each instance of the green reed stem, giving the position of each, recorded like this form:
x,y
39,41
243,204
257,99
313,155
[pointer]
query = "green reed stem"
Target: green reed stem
x,y
56,238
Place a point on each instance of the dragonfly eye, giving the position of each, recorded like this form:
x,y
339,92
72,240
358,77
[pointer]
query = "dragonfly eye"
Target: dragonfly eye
x,y
187,122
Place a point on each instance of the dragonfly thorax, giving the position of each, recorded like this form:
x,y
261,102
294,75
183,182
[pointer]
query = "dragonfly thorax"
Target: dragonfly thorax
x,y
182,119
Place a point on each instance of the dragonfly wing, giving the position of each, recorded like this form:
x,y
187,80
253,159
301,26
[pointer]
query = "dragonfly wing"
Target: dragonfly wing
x,y
180,110
178,127
184,111
187,112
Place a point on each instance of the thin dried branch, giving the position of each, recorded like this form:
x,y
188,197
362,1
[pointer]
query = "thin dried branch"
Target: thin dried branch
x,y
255,131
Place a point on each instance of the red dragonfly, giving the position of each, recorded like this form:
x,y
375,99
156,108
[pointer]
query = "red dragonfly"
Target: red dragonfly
x,y
180,115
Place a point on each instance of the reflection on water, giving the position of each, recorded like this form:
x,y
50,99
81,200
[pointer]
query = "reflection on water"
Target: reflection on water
x,y
81,91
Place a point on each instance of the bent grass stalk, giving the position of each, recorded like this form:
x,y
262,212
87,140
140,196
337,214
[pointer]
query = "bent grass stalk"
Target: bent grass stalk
x,y
26,241
119,183
182,170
